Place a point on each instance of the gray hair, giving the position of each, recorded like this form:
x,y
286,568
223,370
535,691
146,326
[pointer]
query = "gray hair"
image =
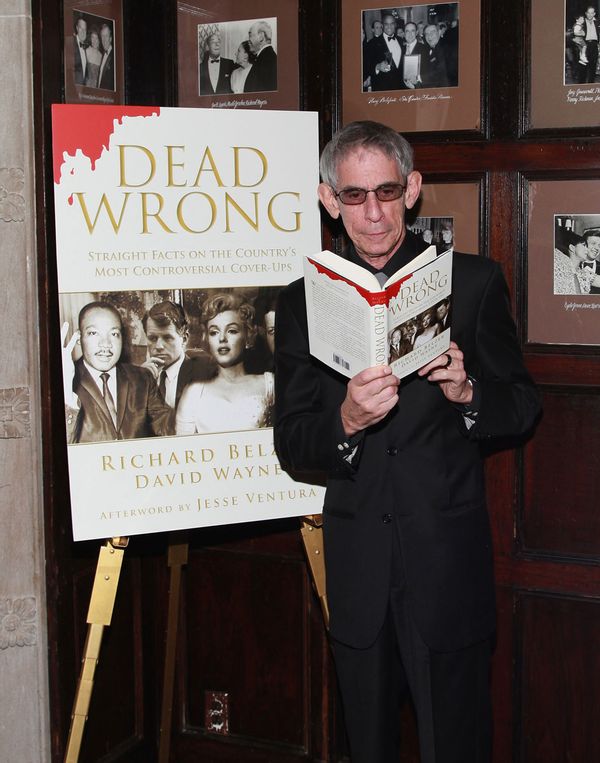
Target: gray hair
x,y
369,135
265,28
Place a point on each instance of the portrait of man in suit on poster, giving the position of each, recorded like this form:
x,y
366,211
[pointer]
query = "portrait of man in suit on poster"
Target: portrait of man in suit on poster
x,y
105,398
166,326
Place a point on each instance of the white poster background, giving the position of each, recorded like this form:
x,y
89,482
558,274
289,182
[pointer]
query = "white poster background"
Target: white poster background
x,y
182,199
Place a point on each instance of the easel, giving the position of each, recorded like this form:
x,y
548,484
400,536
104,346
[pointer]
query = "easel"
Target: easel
x,y
102,600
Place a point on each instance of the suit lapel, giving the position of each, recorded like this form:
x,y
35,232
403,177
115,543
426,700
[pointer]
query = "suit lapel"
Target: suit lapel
x,y
183,378
122,393
90,386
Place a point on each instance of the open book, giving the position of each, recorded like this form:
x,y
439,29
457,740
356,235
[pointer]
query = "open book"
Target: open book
x,y
354,323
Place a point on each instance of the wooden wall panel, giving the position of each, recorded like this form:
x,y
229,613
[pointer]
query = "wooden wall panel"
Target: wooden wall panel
x,y
561,478
559,680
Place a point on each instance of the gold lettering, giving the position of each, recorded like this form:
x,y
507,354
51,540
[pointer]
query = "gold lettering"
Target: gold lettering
x,y
170,165
103,203
213,168
252,223
151,159
236,166
146,214
213,212
271,215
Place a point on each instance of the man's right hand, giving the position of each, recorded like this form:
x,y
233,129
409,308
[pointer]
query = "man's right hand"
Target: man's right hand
x,y
370,396
155,366
71,399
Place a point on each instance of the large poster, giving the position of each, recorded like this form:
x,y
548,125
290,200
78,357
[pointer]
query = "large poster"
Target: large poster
x,y
175,231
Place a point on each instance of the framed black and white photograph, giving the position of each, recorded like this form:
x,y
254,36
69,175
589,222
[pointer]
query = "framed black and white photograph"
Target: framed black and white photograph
x,y
410,48
582,33
229,56
438,231
562,81
577,254
563,262
93,52
237,57
417,66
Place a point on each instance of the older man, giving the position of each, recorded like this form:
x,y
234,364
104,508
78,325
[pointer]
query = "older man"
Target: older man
x,y
407,538
106,399
263,74
434,68
215,69
587,72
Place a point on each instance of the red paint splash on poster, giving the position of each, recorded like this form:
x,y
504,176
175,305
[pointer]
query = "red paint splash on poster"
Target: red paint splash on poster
x,y
88,128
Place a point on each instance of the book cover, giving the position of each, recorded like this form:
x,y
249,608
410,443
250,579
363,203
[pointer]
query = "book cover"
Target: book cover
x,y
354,323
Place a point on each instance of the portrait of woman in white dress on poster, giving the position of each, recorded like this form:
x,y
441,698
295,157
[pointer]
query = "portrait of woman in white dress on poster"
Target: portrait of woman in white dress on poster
x,y
233,399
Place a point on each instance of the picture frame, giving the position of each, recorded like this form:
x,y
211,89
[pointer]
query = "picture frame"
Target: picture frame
x,y
251,73
554,99
447,96
460,202
559,214
94,62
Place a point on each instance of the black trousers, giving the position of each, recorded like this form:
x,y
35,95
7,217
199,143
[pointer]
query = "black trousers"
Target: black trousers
x,y
450,690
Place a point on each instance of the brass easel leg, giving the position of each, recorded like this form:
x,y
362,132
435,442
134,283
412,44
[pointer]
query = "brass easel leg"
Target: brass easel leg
x,y
312,537
177,557
100,612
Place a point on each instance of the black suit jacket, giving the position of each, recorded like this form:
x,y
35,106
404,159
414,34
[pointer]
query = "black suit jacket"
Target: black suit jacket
x,y
392,80
226,66
78,73
192,369
420,465
141,411
263,74
107,80
434,67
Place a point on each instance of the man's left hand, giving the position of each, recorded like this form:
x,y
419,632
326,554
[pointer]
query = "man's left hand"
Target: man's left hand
x,y
450,377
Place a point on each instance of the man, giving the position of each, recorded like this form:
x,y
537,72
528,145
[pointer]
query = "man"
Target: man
x,y
167,331
591,237
407,539
106,399
106,74
412,47
443,314
385,58
586,72
263,74
215,70
434,72
79,46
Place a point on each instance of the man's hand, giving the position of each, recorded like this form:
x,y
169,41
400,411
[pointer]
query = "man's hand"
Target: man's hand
x,y
450,377
155,366
370,395
71,399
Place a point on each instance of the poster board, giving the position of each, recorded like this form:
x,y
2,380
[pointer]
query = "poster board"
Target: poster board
x,y
179,205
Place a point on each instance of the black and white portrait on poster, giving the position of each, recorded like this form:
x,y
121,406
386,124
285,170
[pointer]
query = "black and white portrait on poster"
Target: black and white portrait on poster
x,y
237,57
410,47
93,51
582,34
171,362
434,230
577,254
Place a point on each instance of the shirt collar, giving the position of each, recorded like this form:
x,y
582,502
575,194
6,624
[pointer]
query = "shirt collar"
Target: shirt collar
x,y
410,247
172,371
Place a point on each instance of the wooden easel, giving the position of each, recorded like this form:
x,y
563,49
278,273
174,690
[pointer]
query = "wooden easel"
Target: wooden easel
x,y
102,600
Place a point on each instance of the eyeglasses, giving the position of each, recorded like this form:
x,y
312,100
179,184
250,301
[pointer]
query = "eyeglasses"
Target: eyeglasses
x,y
385,192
